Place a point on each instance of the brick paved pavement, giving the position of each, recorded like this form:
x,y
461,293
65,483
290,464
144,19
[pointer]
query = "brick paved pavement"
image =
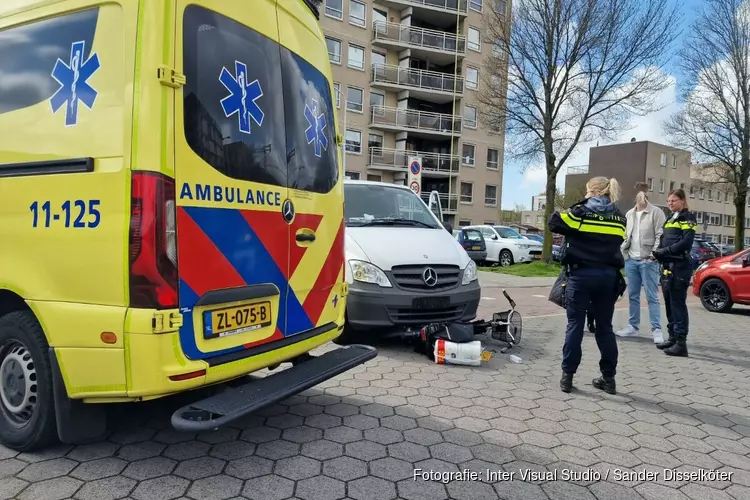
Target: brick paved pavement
x,y
362,434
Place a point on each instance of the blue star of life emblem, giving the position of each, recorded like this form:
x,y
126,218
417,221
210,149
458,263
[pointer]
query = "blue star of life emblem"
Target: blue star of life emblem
x,y
242,98
316,125
73,78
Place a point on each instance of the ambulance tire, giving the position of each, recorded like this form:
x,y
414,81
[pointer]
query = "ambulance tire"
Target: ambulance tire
x,y
23,350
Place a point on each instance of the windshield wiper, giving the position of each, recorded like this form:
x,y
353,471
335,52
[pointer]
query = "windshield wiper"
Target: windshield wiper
x,y
394,221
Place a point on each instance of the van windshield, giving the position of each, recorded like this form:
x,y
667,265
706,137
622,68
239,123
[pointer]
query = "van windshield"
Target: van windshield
x,y
379,205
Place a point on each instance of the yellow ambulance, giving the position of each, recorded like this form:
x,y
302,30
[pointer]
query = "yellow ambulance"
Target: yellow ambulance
x,y
171,210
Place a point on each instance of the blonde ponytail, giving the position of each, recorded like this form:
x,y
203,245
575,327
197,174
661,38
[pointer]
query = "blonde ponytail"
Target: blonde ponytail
x,y
605,187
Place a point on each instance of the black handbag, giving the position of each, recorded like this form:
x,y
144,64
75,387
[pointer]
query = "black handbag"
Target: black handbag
x,y
557,293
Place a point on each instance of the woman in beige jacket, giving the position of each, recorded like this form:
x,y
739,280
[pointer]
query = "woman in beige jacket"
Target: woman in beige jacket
x,y
644,228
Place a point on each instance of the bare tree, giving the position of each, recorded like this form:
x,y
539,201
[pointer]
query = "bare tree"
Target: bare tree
x,y
715,121
564,72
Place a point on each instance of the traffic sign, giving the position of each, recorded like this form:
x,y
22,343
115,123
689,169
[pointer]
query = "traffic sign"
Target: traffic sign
x,y
416,168
414,186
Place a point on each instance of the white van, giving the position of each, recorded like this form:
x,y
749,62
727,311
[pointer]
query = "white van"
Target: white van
x,y
403,266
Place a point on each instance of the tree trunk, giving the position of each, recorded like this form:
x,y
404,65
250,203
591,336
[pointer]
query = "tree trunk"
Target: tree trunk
x,y
549,207
739,222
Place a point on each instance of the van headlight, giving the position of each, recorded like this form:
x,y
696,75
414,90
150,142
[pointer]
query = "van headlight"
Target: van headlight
x,y
368,273
470,273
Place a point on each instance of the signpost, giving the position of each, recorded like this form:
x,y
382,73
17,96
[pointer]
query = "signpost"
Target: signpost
x,y
415,174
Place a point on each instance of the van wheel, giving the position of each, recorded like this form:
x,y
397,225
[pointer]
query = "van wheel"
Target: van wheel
x,y
505,258
27,411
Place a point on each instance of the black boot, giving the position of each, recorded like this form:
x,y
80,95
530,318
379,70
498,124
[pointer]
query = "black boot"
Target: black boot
x,y
566,382
605,384
679,348
672,340
592,327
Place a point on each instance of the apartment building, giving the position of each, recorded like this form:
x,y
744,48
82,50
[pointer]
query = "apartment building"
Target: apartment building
x,y
664,168
406,76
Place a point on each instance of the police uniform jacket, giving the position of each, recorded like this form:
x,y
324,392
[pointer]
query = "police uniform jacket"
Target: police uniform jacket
x,y
594,229
676,240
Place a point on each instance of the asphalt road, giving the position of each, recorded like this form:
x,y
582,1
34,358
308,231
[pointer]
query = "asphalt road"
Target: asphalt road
x,y
394,427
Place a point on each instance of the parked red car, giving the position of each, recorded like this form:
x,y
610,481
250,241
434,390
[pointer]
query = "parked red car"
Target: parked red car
x,y
722,282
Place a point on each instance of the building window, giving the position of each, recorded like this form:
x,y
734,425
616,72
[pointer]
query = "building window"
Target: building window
x,y
377,59
490,195
356,57
671,185
476,5
467,192
334,50
464,222
682,186
353,141
493,159
692,191
357,13
335,9
470,116
650,182
661,185
374,178
501,6
337,91
355,99
702,193
474,40
468,154
352,175
699,217
377,100
375,144
472,77
710,195
674,161
728,198
498,48
718,196
663,159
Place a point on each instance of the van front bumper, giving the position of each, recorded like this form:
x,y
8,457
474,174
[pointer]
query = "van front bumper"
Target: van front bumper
x,y
370,306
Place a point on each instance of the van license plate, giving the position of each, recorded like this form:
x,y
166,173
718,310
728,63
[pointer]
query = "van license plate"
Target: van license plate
x,y
476,247
430,302
234,320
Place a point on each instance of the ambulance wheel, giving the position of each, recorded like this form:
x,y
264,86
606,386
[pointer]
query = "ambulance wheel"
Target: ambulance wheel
x,y
27,411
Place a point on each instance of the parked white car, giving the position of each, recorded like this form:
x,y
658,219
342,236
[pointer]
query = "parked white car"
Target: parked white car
x,y
506,246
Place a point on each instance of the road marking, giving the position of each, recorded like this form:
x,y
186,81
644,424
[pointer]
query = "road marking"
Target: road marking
x,y
488,298
539,296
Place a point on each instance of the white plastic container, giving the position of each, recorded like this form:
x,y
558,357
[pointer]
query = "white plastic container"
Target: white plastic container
x,y
451,353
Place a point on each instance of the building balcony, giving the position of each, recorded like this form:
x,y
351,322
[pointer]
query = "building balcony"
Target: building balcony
x,y
439,46
397,160
449,202
426,85
420,123
434,11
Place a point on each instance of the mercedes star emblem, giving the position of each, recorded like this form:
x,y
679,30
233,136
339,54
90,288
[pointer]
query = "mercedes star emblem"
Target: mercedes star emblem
x,y
429,276
287,211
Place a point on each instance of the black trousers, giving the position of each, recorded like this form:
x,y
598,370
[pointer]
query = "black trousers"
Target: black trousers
x,y
674,289
595,290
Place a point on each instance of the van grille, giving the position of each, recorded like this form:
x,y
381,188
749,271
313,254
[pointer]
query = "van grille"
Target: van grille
x,y
409,316
410,277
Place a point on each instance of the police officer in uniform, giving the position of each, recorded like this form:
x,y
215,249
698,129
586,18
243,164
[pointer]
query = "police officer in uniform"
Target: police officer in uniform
x,y
673,253
594,229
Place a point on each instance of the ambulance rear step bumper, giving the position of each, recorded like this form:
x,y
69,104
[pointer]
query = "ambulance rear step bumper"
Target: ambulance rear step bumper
x,y
223,408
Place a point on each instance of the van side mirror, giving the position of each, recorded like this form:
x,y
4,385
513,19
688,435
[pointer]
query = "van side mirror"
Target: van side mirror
x,y
448,227
494,237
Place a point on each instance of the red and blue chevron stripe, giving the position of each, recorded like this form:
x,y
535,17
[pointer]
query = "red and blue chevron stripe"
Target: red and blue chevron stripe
x,y
223,248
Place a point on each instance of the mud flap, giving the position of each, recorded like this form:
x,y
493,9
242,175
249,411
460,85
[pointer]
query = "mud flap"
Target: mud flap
x,y
77,422
236,402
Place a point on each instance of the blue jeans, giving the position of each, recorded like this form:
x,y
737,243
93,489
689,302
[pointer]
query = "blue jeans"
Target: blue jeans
x,y
587,289
643,273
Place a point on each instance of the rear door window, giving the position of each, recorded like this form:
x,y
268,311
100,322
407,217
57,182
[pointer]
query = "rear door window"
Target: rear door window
x,y
473,235
234,105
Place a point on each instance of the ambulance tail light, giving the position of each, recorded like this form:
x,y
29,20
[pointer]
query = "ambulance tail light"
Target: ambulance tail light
x,y
153,245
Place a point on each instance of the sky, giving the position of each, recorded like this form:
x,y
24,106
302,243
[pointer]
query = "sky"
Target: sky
x,y
519,187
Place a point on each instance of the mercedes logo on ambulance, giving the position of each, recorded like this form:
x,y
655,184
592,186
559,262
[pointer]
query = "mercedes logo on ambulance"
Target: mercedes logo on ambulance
x,y
429,276
287,211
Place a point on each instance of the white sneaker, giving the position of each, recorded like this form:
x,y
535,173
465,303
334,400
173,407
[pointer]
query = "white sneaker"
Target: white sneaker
x,y
658,338
628,331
